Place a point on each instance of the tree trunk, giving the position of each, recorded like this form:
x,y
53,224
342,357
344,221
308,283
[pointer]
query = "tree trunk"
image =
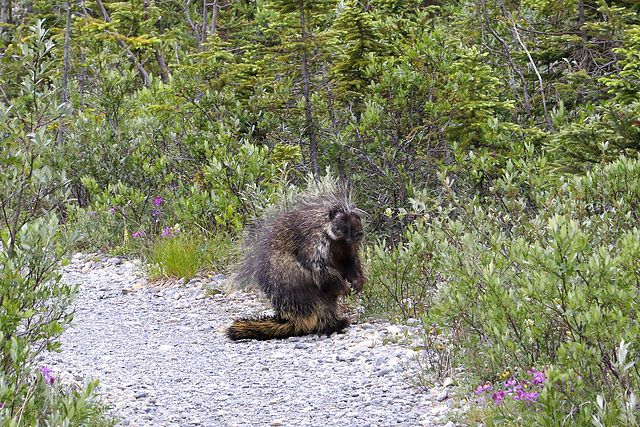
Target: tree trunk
x,y
204,21
214,16
308,114
65,58
193,26
3,12
65,70
164,70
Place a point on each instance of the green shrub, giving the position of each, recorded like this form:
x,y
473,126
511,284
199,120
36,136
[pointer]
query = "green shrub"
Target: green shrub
x,y
543,279
404,274
33,300
121,217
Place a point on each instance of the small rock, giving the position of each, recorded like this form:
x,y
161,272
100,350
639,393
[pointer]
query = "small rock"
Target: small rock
x,y
218,278
384,371
345,358
448,382
366,344
140,394
393,330
442,395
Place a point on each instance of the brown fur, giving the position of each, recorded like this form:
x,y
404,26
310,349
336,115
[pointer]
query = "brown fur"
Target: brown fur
x,y
303,258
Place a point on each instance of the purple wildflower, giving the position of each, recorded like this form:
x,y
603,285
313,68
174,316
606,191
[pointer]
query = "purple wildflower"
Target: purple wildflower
x,y
512,383
538,377
484,387
170,232
47,375
532,396
158,201
497,397
137,234
156,213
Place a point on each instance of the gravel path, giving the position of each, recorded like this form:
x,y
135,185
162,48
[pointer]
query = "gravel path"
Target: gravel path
x,y
163,360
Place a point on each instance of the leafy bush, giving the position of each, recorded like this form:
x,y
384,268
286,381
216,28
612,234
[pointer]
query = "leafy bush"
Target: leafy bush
x,y
121,217
544,279
405,276
33,300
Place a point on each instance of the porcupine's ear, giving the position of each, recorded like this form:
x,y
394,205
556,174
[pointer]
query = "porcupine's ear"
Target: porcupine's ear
x,y
334,211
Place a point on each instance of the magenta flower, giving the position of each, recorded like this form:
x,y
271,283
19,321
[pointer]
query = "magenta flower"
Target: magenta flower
x,y
137,234
47,375
170,232
481,388
512,383
538,377
158,201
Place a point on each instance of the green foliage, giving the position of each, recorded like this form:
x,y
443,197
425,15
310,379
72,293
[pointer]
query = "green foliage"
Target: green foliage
x,y
241,184
52,403
593,133
33,300
458,127
404,276
539,278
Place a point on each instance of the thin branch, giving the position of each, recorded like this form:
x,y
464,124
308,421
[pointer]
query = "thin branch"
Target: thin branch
x,y
535,69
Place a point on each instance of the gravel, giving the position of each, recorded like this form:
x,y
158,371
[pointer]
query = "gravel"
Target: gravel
x,y
162,359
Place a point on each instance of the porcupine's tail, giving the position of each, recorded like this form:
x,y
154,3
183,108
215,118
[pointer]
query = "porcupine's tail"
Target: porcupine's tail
x,y
270,327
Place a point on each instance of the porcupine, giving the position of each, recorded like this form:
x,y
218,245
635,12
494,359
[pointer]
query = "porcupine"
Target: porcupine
x,y
303,258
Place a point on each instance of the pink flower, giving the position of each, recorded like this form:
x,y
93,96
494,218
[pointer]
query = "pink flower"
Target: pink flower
x,y
47,375
497,397
483,387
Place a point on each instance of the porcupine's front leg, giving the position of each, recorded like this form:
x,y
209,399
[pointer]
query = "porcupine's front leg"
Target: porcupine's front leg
x,y
335,283
354,275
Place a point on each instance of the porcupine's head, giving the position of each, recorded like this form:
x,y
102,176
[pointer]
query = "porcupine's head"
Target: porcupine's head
x,y
345,224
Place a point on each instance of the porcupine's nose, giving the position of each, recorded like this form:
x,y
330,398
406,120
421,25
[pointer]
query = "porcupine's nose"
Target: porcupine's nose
x,y
356,236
